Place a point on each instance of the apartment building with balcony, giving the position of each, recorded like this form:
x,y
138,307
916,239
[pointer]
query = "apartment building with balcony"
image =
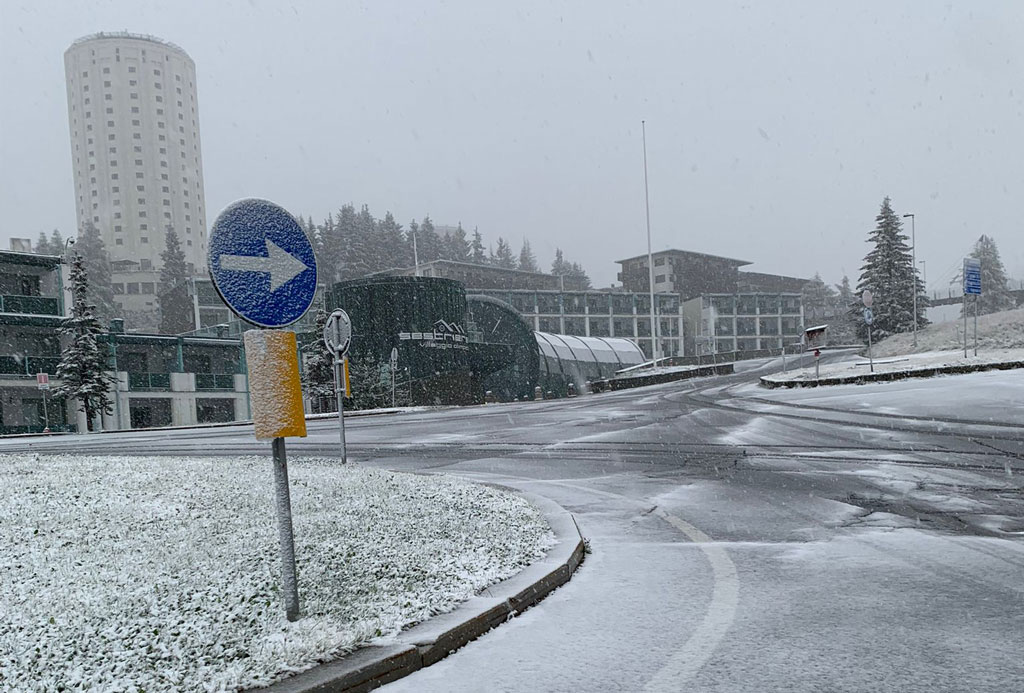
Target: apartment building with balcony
x,y
743,322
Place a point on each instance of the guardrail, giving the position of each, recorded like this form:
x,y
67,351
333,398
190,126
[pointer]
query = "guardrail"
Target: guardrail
x,y
28,365
149,381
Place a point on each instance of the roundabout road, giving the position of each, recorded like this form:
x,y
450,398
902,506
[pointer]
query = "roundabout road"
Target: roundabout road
x,y
740,542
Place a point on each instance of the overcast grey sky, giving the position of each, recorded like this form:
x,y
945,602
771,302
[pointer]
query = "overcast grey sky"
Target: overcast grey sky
x,y
774,128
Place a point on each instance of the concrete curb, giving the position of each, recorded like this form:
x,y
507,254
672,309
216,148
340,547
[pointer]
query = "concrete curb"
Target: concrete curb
x,y
433,640
767,382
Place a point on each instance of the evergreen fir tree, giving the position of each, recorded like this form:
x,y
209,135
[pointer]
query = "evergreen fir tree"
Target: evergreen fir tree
x,y
428,241
176,313
503,256
89,245
459,249
842,329
559,267
371,255
318,368
527,260
83,367
819,302
995,295
396,250
476,249
889,273
56,243
43,245
576,279
350,252
333,258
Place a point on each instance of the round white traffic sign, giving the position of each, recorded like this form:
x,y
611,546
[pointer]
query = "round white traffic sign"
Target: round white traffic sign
x,y
338,332
867,298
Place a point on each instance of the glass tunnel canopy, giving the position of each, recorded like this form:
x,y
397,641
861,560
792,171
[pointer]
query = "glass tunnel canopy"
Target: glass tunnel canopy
x,y
583,359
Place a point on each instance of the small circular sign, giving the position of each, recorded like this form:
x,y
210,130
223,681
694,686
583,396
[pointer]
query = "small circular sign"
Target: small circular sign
x,y
338,332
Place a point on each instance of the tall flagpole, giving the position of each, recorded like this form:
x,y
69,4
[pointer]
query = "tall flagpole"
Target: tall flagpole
x,y
650,256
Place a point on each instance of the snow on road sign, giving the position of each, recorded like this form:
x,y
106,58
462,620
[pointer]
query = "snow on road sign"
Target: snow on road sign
x,y
262,263
274,387
338,332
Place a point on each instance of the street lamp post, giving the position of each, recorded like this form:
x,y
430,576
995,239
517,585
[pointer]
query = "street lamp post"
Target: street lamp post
x,y
913,266
650,256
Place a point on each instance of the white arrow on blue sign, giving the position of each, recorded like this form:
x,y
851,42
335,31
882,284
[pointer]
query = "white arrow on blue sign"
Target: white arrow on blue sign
x,y
262,263
869,317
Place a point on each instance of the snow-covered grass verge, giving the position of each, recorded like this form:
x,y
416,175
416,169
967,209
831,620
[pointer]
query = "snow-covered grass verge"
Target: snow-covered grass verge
x,y
132,574
860,366
1003,330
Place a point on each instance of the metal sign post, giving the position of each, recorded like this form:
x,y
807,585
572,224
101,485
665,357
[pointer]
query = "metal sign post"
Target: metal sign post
x,y
263,266
43,383
972,285
394,372
337,337
868,299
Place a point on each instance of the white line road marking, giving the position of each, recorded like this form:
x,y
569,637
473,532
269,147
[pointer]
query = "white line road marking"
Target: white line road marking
x,y
705,639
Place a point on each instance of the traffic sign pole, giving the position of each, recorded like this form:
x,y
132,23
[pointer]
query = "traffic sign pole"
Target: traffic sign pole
x,y
285,537
339,388
263,266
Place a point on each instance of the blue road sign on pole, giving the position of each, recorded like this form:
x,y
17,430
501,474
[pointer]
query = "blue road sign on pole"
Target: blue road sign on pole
x,y
972,276
869,317
262,263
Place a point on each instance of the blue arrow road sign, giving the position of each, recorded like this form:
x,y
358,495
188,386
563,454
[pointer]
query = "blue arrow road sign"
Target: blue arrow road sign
x,y
869,317
972,276
262,263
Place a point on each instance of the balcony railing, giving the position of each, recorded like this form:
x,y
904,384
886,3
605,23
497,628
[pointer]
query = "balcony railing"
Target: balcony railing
x,y
28,365
215,381
31,305
149,381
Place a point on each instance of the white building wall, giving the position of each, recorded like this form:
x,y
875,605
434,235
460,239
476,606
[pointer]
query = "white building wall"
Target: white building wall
x,y
133,117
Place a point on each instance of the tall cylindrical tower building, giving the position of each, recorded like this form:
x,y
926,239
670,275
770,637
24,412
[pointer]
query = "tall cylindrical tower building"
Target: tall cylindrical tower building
x,y
134,121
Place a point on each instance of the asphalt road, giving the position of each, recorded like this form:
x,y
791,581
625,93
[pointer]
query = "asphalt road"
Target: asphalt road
x,y
739,542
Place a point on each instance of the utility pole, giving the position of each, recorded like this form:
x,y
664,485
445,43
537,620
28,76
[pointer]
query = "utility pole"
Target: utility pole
x,y
913,267
650,256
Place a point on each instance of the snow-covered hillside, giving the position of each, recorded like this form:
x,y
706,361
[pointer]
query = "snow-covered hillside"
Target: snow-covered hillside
x,y
1003,330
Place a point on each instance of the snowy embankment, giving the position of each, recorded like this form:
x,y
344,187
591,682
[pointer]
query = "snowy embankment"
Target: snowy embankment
x,y
1002,330
124,573
929,363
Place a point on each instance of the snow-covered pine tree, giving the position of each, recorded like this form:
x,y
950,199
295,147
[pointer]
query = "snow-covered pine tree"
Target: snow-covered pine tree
x,y
527,260
397,251
577,278
843,330
332,260
503,256
176,314
428,241
83,366
459,245
889,272
318,368
819,302
43,245
559,267
995,295
477,255
56,242
347,243
89,245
